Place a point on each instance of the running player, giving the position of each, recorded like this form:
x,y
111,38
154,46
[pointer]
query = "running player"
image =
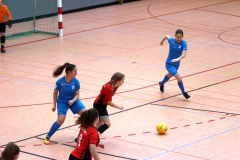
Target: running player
x,y
105,98
66,96
88,137
177,51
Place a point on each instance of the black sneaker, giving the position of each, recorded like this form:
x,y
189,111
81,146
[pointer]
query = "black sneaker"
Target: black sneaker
x,y
186,95
161,86
3,50
75,140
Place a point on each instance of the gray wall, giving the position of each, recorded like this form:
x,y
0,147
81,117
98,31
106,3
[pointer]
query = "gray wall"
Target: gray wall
x,y
75,4
25,8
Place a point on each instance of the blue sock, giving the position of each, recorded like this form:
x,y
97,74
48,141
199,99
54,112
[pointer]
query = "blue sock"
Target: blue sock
x,y
53,129
180,84
165,79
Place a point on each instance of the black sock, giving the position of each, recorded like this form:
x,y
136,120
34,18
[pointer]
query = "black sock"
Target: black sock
x,y
103,128
2,41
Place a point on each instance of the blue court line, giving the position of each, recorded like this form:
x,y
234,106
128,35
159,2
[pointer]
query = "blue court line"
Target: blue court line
x,y
52,86
130,62
93,93
212,136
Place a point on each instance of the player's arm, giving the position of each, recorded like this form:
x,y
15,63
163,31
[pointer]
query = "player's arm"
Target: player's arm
x,y
8,14
184,52
167,36
55,93
110,103
93,151
76,97
9,23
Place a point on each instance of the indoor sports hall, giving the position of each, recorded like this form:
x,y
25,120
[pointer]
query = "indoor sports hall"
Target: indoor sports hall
x,y
126,38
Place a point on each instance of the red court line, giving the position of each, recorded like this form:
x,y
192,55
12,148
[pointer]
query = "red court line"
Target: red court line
x,y
184,76
101,44
146,86
184,11
211,120
218,12
78,32
108,26
156,148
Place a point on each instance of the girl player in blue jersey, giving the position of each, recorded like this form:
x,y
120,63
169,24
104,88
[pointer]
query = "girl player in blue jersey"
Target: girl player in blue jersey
x,y
66,95
177,51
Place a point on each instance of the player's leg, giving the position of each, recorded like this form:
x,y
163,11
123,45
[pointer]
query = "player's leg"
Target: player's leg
x,y
62,111
100,122
78,107
104,121
180,83
106,124
167,76
3,38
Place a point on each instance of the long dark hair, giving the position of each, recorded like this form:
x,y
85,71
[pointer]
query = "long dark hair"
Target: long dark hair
x,y
58,71
115,77
87,118
10,151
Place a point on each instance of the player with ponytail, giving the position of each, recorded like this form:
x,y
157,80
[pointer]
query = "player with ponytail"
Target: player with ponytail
x,y
65,96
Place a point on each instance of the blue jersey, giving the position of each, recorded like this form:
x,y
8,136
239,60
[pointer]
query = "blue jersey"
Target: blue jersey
x,y
175,50
66,89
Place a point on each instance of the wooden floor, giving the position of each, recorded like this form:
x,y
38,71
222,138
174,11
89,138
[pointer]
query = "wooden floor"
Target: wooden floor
x,y
126,38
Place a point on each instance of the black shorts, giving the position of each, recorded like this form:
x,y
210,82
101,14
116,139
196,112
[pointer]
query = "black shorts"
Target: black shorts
x,y
101,108
2,27
72,157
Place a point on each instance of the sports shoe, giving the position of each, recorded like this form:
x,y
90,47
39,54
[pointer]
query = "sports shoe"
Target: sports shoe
x,y
186,95
3,50
161,86
75,140
46,141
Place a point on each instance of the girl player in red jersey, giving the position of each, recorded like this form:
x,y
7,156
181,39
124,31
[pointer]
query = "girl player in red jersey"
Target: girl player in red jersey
x,y
88,137
105,98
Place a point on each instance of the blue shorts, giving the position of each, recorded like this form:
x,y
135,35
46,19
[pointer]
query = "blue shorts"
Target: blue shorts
x,y
75,108
172,69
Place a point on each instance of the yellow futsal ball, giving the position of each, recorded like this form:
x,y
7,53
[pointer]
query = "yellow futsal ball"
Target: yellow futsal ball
x,y
161,128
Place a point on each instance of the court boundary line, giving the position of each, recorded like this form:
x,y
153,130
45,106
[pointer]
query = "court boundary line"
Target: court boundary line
x,y
135,88
98,152
142,106
33,154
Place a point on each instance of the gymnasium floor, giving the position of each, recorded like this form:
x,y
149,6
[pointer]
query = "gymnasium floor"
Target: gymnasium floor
x,y
126,38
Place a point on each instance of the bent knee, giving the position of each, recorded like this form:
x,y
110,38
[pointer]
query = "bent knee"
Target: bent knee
x,y
108,124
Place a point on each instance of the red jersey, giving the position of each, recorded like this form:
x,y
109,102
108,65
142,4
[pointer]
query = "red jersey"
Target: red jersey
x,y
4,10
106,94
86,136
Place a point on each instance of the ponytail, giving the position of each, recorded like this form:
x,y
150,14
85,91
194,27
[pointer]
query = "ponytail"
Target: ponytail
x,y
87,118
59,69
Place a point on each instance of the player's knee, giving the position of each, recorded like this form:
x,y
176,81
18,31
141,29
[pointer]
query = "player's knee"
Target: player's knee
x,y
108,124
60,121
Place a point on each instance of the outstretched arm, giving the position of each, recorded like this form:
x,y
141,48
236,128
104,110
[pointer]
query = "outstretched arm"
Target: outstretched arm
x,y
161,43
110,103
